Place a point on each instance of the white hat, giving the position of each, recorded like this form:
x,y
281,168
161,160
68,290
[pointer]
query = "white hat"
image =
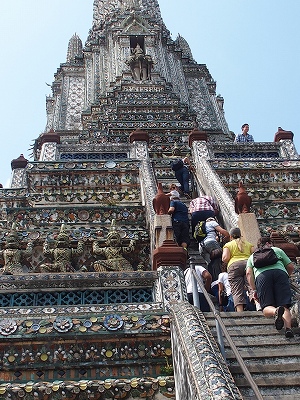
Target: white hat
x,y
174,194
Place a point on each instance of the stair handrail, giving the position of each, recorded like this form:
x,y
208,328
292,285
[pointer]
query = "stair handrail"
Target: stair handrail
x,y
212,183
220,323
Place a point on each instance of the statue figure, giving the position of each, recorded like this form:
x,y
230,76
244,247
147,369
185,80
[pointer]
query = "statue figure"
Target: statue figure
x,y
140,64
242,201
113,252
62,254
161,202
13,255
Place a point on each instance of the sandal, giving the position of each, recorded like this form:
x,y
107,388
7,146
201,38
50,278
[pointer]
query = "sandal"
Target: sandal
x,y
279,323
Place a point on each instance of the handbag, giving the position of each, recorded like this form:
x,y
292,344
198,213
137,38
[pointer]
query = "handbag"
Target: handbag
x,y
223,298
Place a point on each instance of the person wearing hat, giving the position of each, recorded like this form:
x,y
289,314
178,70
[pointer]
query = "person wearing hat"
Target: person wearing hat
x,y
180,220
182,174
236,253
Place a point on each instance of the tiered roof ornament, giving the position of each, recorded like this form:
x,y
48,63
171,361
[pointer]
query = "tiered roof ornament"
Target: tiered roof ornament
x,y
74,48
184,47
104,8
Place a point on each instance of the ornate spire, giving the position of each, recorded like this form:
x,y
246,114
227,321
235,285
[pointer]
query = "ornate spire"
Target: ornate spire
x,y
103,8
74,48
184,46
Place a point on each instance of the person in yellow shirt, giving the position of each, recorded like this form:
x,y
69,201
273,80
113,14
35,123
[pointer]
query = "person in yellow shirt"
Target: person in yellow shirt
x,y
236,253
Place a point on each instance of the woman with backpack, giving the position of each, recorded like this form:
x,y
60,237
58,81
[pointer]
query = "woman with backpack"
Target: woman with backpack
x,y
211,250
271,281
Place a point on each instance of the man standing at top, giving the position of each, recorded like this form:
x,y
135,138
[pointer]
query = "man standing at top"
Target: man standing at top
x,y
244,136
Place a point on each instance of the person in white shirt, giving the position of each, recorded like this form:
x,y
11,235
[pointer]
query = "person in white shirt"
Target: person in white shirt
x,y
206,277
211,250
224,284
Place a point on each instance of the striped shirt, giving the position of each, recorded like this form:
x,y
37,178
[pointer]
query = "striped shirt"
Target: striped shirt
x,y
203,203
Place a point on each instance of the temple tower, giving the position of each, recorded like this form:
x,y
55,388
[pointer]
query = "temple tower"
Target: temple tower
x,y
90,272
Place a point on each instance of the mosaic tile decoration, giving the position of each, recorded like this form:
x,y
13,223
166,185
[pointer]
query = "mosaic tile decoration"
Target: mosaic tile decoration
x,y
200,370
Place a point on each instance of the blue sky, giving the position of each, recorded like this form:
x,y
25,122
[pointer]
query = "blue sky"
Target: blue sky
x,y
251,48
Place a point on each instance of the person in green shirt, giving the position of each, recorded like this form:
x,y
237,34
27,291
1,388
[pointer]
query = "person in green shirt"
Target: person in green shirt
x,y
272,286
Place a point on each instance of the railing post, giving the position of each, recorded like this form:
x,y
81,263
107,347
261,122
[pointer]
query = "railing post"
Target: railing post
x,y
196,299
220,339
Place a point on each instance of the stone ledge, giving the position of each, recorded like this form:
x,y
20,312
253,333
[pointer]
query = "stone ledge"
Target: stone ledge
x,y
77,280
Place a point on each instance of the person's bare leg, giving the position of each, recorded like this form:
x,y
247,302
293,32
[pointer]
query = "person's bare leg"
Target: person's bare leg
x,y
287,317
269,311
239,308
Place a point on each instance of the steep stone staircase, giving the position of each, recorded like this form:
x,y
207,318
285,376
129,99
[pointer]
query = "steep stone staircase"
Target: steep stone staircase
x,y
273,360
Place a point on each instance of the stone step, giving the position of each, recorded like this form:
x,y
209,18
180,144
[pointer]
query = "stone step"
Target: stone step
x,y
262,365
282,397
272,394
284,379
272,360
260,342
269,352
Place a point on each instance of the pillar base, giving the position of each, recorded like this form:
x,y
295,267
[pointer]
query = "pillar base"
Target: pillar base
x,y
169,254
248,225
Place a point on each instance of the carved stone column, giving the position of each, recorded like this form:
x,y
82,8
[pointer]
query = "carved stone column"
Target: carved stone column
x,y
18,166
170,286
48,143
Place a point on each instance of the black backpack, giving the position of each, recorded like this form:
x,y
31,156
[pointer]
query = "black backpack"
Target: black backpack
x,y
177,164
264,257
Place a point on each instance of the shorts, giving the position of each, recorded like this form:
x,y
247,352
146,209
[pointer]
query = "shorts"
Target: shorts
x,y
181,232
273,288
238,282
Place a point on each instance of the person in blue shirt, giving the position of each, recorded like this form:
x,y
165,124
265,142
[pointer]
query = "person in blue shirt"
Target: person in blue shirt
x,y
182,174
244,137
180,220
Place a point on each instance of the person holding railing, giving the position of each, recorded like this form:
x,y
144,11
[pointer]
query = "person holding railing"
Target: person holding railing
x,y
236,253
211,250
180,220
273,288
225,302
206,277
